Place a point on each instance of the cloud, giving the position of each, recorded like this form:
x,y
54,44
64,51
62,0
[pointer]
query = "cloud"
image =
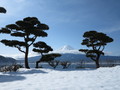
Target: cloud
x,y
111,29
20,55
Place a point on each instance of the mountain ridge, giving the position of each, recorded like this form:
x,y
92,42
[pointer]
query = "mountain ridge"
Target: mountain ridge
x,y
6,60
70,54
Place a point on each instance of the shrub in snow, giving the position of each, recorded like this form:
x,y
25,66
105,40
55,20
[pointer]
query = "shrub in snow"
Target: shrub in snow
x,y
54,64
10,68
65,64
81,64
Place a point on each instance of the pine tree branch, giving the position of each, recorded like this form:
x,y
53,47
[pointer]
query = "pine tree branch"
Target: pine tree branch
x,y
33,40
103,47
99,47
25,39
93,59
20,49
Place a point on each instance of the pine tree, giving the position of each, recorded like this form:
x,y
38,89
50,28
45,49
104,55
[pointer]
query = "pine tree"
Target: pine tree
x,y
2,10
96,42
43,49
28,29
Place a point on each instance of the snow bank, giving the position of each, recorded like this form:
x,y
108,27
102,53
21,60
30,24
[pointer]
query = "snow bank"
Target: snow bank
x,y
49,79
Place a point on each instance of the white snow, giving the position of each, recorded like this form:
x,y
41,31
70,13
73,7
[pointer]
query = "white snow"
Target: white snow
x,y
66,49
61,79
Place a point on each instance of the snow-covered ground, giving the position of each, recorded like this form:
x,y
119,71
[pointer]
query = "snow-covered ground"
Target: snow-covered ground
x,y
62,79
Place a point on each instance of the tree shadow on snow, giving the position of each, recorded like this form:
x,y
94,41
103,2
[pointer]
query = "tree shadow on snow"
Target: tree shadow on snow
x,y
30,71
71,69
10,78
15,76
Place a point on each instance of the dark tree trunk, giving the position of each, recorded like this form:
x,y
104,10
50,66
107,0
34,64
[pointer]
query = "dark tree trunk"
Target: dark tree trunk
x,y
26,58
37,62
97,64
97,61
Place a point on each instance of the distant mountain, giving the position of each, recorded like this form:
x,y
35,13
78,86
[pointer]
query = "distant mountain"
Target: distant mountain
x,y
75,58
66,47
72,55
6,60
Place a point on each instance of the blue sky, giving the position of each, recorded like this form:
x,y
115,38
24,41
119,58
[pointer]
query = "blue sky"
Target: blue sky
x,y
67,19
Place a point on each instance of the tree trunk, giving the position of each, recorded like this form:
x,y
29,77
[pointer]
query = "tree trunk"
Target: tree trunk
x,y
97,64
97,61
37,62
26,58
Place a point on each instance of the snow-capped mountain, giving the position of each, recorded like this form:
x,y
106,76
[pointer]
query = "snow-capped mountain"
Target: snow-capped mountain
x,y
70,54
66,49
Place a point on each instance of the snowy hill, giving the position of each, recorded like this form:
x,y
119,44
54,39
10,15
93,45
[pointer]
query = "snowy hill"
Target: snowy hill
x,y
6,60
67,79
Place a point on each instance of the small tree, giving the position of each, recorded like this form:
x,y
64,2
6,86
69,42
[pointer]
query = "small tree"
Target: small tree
x,y
54,63
43,48
2,10
65,64
96,41
49,59
29,29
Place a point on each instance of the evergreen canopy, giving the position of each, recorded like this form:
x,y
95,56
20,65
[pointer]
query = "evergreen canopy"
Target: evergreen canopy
x,y
96,41
41,47
29,29
49,57
2,10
